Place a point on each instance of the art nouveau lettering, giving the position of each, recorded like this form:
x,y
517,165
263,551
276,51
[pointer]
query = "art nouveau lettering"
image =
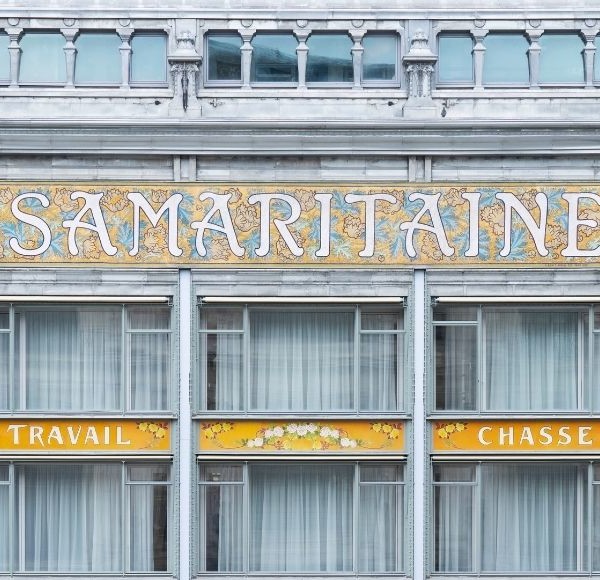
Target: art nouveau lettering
x,y
34,221
574,221
370,202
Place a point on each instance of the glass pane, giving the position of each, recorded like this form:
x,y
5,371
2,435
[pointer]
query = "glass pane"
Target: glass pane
x,y
531,359
274,58
380,538
455,313
149,58
464,473
42,58
373,320
224,371
369,473
506,59
150,359
148,472
597,62
4,318
329,59
4,375
70,359
314,531
453,528
230,318
148,528
455,59
379,371
3,473
224,57
595,527
301,361
531,515
4,529
98,58
455,367
380,57
149,317
4,57
223,528
220,472
72,518
597,311
561,58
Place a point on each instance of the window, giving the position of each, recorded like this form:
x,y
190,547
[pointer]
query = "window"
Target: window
x,y
98,59
329,58
506,59
148,58
4,59
85,358
325,511
76,518
274,58
224,58
380,57
455,58
42,58
299,359
522,358
531,517
561,58
597,61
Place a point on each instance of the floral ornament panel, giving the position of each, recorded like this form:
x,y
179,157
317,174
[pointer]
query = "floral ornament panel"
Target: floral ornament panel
x,y
295,225
302,436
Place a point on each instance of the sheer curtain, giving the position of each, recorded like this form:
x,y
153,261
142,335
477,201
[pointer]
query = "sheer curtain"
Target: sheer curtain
x,y
301,518
72,519
4,519
301,361
530,517
378,372
531,360
229,394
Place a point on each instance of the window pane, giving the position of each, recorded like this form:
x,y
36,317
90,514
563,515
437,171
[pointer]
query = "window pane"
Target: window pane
x,y
314,531
4,530
274,58
4,375
455,59
220,472
531,518
98,58
455,313
4,57
150,359
224,371
3,474
456,367
379,57
561,58
380,473
4,318
148,472
42,58
595,526
72,520
149,58
532,359
148,528
454,473
224,57
505,59
222,318
71,359
379,371
597,62
301,361
149,318
329,59
372,320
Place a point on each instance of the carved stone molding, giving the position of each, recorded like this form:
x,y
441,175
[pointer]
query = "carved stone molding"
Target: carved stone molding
x,y
184,63
419,63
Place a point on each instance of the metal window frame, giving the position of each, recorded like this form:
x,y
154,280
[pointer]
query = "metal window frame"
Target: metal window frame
x,y
223,83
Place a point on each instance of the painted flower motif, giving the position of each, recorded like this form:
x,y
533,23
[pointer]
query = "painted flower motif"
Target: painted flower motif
x,y
236,195
527,198
445,431
212,430
63,200
283,249
442,433
220,249
246,217
114,199
386,207
430,247
453,197
556,237
6,195
90,247
306,197
157,430
494,216
159,195
390,430
155,239
354,227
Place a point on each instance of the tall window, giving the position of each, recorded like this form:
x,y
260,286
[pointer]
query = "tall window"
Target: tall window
x,y
98,59
274,58
77,517
224,57
455,58
380,57
4,59
85,358
506,59
329,523
148,58
525,358
561,58
42,58
329,58
301,359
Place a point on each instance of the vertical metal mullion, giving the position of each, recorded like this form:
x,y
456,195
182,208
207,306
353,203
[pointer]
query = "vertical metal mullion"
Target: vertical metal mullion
x,y
21,507
588,386
355,518
590,512
125,520
11,517
125,374
246,517
580,362
22,364
246,359
481,363
476,523
11,358
356,361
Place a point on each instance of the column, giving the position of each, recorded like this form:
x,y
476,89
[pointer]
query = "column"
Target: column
x,y
125,50
357,54
246,50
15,54
302,55
478,56
70,53
534,57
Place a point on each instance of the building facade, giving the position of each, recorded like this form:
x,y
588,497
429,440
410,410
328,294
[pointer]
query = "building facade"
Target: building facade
x,y
299,291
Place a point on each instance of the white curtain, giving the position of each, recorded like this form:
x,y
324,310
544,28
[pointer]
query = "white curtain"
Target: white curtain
x,y
301,361
229,394
72,518
4,377
301,518
531,360
150,359
378,372
4,520
530,518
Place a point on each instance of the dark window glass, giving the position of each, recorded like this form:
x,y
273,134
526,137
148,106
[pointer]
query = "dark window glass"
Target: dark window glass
x,y
274,58
329,59
380,57
224,57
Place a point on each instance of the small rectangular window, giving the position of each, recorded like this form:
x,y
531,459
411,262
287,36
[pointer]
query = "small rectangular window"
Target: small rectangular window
x,y
329,58
148,58
4,518
224,58
505,59
42,58
561,58
4,58
98,59
380,57
455,58
274,58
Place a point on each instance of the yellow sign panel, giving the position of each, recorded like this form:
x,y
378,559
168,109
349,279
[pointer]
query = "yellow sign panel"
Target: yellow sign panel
x,y
301,436
84,436
295,225
530,436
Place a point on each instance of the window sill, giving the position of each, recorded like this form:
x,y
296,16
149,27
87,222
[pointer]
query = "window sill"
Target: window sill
x,y
85,92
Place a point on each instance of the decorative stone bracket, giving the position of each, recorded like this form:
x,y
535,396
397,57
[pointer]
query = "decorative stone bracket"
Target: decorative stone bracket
x,y
184,63
419,63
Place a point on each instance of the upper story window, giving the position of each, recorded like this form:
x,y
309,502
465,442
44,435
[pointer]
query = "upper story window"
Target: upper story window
x,y
455,58
506,59
224,58
380,57
521,358
561,58
85,358
329,58
4,59
295,359
148,58
98,59
274,58
42,58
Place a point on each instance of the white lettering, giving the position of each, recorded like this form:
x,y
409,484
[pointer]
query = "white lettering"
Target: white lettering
x,y
15,429
526,435
565,437
32,220
56,435
73,435
583,434
504,435
324,200
573,223
545,433
473,198
480,435
92,436
35,433
120,440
